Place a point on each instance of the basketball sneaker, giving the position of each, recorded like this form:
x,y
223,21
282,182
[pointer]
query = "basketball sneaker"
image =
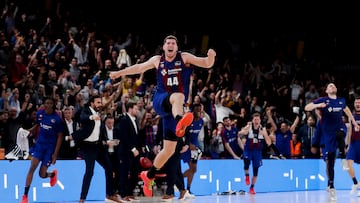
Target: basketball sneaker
x,y
148,183
133,199
247,180
252,191
185,194
332,195
167,198
183,123
24,199
129,199
354,188
112,199
190,195
53,179
241,192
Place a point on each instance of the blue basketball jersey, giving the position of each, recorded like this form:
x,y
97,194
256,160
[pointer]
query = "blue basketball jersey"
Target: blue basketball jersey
x,y
194,130
331,120
173,76
331,115
50,126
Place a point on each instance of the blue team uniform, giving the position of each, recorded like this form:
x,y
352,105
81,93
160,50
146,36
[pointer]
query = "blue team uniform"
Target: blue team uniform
x,y
331,121
254,146
172,76
50,126
283,142
354,147
231,137
194,130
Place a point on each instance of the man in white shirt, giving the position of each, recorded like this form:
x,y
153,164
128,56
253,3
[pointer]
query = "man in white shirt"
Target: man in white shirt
x,y
91,144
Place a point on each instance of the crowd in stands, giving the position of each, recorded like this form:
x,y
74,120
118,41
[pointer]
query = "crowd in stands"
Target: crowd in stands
x,y
68,60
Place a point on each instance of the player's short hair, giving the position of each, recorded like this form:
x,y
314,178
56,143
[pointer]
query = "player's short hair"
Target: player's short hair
x,y
51,99
256,114
171,37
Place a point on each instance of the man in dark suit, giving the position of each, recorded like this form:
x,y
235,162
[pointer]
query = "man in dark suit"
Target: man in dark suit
x,y
91,144
128,152
68,150
111,135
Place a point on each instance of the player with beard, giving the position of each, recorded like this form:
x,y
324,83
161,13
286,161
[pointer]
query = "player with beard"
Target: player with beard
x,y
331,109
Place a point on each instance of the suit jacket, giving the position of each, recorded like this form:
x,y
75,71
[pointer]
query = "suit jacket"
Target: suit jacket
x,y
66,151
103,132
87,126
66,130
128,137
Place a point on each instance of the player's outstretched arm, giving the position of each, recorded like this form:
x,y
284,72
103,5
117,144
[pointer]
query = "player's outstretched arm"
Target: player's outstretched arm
x,y
203,62
136,68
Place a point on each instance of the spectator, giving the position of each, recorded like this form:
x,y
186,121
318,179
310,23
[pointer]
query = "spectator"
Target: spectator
x,y
295,147
305,134
311,94
283,135
216,142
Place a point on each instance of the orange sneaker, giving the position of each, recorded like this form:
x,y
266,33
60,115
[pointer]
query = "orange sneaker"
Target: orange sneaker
x,y
148,183
24,199
247,180
183,123
252,191
53,179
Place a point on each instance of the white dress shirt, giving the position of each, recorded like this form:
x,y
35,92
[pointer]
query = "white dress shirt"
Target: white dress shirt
x,y
133,119
95,135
